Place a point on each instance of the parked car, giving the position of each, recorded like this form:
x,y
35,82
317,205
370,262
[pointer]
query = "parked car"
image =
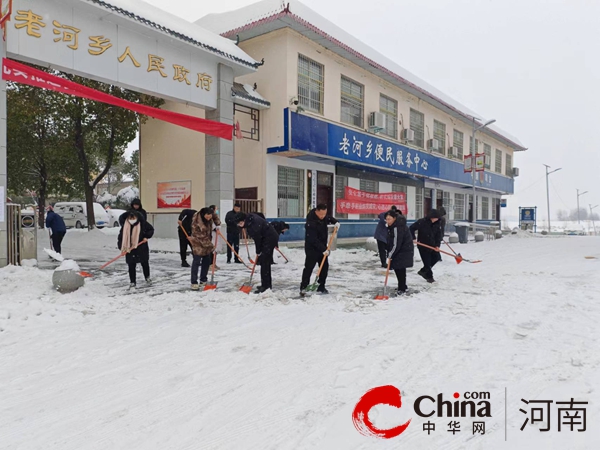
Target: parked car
x,y
75,214
113,216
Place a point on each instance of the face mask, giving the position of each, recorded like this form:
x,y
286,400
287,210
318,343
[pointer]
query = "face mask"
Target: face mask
x,y
132,221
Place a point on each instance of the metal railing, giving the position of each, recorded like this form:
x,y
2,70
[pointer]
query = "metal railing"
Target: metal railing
x,y
251,206
13,221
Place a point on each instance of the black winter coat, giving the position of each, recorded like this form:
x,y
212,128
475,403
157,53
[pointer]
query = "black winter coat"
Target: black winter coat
x,y
428,233
186,217
141,210
400,245
315,241
142,253
230,220
264,236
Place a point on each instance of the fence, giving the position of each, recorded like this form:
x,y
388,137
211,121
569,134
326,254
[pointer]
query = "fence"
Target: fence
x,y
251,206
13,221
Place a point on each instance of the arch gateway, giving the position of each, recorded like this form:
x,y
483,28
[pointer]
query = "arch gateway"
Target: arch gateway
x,y
134,45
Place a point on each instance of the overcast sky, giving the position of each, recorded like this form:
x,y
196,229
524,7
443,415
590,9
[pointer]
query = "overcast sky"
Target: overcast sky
x,y
532,65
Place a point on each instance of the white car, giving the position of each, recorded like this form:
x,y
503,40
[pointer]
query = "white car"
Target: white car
x,y
75,214
113,216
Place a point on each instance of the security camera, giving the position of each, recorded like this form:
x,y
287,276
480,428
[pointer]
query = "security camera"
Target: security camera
x,y
294,101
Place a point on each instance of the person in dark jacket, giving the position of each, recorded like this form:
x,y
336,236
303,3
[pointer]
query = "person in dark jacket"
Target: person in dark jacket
x,y
233,233
400,247
217,221
185,221
56,223
441,230
428,234
315,246
381,235
265,239
136,205
203,226
133,232
281,227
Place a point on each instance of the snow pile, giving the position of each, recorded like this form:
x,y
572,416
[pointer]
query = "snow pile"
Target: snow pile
x,y
106,198
126,195
68,264
29,262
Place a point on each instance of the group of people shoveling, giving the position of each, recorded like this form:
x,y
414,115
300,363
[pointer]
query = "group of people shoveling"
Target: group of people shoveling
x,y
200,230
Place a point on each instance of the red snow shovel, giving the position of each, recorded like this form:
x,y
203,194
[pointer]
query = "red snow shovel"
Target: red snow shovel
x,y
247,250
247,287
212,285
104,266
459,255
458,258
383,295
286,260
232,249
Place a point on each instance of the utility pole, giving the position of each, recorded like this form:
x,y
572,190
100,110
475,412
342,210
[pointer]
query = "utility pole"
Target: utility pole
x,y
579,195
548,193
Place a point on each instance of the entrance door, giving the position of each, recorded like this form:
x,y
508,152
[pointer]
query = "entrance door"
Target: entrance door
x,y
428,203
325,190
470,211
440,199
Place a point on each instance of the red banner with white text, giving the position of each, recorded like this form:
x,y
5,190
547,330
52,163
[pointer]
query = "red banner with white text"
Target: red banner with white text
x,y
21,73
356,201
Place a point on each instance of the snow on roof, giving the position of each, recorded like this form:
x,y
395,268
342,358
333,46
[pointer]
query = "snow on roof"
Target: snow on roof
x,y
233,22
247,92
161,20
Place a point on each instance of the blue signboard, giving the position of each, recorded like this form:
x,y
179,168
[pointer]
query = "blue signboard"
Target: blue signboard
x,y
503,203
328,140
527,215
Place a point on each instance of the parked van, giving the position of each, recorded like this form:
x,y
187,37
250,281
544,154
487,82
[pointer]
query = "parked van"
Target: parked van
x,y
113,215
74,214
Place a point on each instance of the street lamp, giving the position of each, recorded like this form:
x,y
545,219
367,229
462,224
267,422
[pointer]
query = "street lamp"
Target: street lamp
x,y
473,165
592,217
548,192
579,195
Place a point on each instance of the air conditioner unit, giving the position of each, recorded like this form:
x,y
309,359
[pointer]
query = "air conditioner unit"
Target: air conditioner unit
x,y
515,172
408,135
453,151
433,144
377,121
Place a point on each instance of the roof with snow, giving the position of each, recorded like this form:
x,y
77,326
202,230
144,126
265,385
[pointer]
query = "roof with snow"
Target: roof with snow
x,y
167,23
270,15
249,94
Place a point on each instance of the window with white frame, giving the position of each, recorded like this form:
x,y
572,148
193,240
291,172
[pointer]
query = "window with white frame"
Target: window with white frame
x,y
310,84
439,133
352,101
446,201
458,142
389,108
485,208
459,206
417,124
498,162
290,192
340,193
419,203
369,186
508,167
487,149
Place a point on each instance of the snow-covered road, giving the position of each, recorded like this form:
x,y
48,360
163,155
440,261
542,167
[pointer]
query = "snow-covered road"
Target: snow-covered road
x,y
167,368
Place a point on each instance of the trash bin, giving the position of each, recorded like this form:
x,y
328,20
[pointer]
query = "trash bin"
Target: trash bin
x,y
462,229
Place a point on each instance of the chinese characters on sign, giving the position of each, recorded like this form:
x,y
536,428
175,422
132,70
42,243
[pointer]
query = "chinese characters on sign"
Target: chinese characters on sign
x,y
361,202
174,194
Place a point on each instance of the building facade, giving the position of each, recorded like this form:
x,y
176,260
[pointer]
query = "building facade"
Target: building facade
x,y
337,123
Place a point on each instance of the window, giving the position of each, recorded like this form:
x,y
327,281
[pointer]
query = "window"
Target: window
x,y
485,208
310,84
508,167
290,192
398,188
340,192
439,133
498,165
389,107
419,203
417,124
369,186
446,201
459,206
352,103
471,145
458,143
487,149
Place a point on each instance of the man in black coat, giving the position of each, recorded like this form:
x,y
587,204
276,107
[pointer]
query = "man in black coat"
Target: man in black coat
x,y
400,249
233,233
381,236
441,230
55,223
185,221
428,234
136,205
265,239
315,246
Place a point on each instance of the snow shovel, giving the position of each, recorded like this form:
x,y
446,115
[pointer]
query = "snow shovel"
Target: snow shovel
x,y
286,260
247,287
247,250
383,294
315,285
213,285
459,255
104,266
458,258
232,249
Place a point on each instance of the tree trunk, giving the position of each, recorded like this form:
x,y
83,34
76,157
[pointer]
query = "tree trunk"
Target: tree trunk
x,y
42,199
85,168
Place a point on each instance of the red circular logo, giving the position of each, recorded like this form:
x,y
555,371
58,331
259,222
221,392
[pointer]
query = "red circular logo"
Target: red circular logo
x,y
386,395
